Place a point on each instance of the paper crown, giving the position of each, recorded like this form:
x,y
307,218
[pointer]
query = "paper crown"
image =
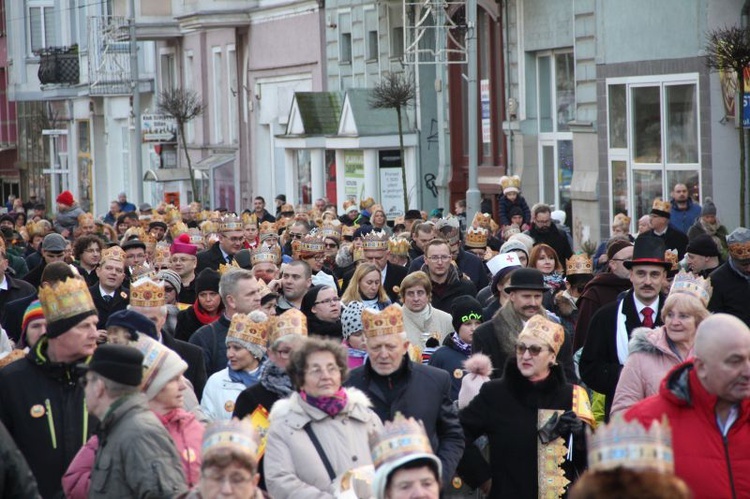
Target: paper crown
x,y
266,230
375,241
264,254
230,223
348,230
85,218
476,237
290,322
209,227
446,224
366,203
287,208
162,254
483,220
510,184
172,214
661,208
739,250
622,220
630,445
399,246
65,299
671,256
237,435
399,438
544,330
348,203
249,219
114,254
383,322
178,229
249,328
37,228
578,264
226,267
311,244
134,233
510,230
695,285
329,230
140,271
146,292
214,216
195,236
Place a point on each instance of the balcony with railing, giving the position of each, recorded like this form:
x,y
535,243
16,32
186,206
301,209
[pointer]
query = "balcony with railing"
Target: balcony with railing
x,y
59,66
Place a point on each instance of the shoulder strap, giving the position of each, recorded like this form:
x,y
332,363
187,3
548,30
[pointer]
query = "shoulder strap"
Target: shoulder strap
x,y
319,449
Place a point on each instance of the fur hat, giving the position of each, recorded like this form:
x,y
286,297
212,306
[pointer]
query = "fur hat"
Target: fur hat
x,y
478,371
351,318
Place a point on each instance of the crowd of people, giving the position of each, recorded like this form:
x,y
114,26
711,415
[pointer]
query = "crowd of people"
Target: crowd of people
x,y
181,352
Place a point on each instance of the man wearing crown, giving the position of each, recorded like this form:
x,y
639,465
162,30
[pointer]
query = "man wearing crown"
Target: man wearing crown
x,y
394,383
707,401
731,281
231,239
41,397
606,348
109,294
661,228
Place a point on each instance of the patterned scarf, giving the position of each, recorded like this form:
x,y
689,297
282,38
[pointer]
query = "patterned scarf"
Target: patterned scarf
x,y
276,380
464,348
330,405
247,378
555,280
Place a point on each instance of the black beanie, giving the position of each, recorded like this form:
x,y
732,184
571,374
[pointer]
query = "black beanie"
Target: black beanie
x,y
464,309
703,245
207,280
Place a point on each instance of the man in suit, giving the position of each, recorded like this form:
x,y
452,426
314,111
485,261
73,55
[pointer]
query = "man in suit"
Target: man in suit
x,y
10,288
147,297
231,238
109,295
606,346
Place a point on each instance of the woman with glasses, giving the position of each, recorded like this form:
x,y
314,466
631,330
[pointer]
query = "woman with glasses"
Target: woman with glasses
x,y
366,285
320,431
322,307
530,413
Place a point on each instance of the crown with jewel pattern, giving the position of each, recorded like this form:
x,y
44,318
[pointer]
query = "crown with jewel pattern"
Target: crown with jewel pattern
x,y
483,220
249,328
145,292
236,435
290,322
330,230
264,254
114,254
143,270
230,223
630,445
476,237
384,322
65,299
375,241
249,219
579,264
544,330
311,244
692,284
178,229
510,183
195,236
266,230
399,246
399,438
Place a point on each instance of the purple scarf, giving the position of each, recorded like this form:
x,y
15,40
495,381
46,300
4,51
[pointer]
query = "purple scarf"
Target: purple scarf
x,y
330,405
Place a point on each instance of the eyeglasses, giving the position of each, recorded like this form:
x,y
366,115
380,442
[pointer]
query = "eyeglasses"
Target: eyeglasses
x,y
296,235
328,301
439,258
234,480
331,245
318,371
534,350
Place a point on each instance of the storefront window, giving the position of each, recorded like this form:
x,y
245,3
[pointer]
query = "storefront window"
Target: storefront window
x,y
646,125
619,182
682,129
618,132
304,177
648,185
565,93
331,177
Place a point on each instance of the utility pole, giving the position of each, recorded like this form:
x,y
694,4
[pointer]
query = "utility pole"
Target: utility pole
x,y
473,196
137,152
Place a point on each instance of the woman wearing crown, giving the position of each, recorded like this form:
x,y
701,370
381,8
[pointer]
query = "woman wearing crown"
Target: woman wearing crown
x,y
653,352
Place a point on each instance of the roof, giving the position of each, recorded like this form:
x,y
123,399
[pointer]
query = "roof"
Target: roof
x,y
359,118
315,113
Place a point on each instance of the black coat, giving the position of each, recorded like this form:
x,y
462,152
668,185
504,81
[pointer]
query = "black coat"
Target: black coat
x,y
506,410
673,239
34,277
451,360
425,395
119,302
16,289
210,259
42,406
599,365
553,237
193,356
91,278
212,340
394,274
16,479
731,293
11,316
187,324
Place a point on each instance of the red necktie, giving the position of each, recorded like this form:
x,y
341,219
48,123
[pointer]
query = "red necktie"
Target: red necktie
x,y
648,317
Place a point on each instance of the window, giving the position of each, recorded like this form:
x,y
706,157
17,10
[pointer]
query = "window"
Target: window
x,y
188,82
345,37
218,89
41,25
396,25
232,95
168,70
371,27
653,140
555,109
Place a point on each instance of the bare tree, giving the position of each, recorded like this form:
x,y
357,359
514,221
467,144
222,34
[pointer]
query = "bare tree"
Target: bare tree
x,y
395,91
728,49
184,105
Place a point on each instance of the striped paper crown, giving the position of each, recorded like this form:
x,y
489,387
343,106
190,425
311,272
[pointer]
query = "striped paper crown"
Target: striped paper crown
x,y
383,322
476,237
579,263
689,283
146,292
399,438
230,223
630,445
375,241
290,322
237,435
399,246
65,299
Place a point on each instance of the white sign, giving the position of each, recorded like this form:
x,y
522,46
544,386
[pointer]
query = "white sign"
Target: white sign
x,y
158,128
392,192
484,99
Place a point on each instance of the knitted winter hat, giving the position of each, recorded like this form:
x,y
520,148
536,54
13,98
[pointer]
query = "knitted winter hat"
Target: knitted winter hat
x,y
351,318
160,365
478,370
464,309
66,198
33,312
709,208
207,280
172,277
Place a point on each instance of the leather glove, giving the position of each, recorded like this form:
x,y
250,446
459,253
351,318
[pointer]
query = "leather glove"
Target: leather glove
x,y
548,431
567,424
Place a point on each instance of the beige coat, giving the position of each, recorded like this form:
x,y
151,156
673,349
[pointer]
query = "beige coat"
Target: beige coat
x,y
293,467
435,323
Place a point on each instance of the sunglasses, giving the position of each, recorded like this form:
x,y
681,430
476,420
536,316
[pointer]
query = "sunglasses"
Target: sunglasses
x,y
534,350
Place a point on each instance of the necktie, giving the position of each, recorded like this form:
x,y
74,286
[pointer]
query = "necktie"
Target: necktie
x,y
229,258
648,317
107,299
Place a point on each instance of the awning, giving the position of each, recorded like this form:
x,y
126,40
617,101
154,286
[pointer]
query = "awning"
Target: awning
x,y
173,174
214,161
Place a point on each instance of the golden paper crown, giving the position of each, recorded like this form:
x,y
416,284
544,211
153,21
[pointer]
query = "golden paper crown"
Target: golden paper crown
x,y
330,230
264,254
150,241
630,445
249,328
512,183
85,218
399,438
483,220
312,244
476,237
178,229
237,435
134,233
230,223
162,255
375,241
172,214
348,203
383,322
544,330
65,299
195,236
290,322
399,246
115,254
226,267
366,203
671,256
621,219
358,254
140,271
214,216
249,219
209,227
146,292
36,228
267,229
662,206
695,285
348,230
287,208
578,264
740,251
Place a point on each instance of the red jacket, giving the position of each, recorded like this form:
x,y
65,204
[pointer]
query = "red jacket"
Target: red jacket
x,y
712,465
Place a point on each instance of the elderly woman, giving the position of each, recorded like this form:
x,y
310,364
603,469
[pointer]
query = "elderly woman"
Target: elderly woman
x,y
421,320
320,431
653,352
366,286
322,306
529,412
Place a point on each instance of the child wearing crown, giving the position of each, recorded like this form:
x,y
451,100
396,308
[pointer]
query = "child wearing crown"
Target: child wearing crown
x,y
510,198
